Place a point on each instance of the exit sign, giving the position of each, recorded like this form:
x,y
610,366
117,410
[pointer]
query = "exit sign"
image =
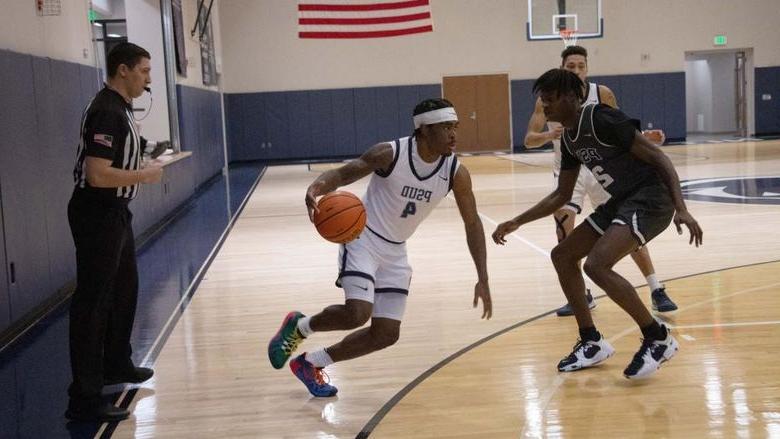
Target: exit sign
x,y
719,40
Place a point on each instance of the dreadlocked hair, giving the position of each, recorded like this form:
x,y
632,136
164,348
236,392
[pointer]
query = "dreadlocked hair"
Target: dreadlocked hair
x,y
560,81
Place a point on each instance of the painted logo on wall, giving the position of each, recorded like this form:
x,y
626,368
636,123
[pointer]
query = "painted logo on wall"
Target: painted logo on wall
x,y
739,190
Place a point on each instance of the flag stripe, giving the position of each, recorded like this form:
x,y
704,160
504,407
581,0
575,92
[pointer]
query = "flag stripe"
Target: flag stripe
x,y
362,7
374,20
363,14
369,34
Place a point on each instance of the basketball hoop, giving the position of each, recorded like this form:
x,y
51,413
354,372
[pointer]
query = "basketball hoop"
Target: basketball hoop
x,y
569,37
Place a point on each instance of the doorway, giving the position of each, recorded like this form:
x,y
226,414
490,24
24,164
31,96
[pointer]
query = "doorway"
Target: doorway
x,y
482,103
718,94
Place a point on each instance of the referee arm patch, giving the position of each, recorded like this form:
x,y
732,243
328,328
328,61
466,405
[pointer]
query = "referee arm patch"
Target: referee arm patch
x,y
104,134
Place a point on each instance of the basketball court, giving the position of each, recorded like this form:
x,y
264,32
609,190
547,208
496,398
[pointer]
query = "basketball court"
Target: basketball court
x,y
454,375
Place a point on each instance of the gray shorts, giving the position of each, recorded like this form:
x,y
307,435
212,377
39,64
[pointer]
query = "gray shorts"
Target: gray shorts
x,y
648,212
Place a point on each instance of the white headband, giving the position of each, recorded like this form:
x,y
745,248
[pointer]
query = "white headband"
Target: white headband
x,y
435,116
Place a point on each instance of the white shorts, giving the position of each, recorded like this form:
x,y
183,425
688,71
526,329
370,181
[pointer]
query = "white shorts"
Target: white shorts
x,y
586,185
376,271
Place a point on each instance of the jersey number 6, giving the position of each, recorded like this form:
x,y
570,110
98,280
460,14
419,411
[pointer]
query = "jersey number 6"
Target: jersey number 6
x,y
602,176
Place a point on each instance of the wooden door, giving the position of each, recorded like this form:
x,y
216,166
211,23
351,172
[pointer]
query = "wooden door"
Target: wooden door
x,y
482,103
462,92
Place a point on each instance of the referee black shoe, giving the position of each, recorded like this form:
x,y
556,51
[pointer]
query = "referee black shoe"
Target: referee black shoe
x,y
103,412
135,376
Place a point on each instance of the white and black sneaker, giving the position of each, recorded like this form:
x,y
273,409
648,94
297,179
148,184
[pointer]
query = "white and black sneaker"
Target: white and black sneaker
x,y
586,354
651,355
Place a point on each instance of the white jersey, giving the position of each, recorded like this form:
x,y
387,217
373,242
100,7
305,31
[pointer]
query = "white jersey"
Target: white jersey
x,y
398,200
591,98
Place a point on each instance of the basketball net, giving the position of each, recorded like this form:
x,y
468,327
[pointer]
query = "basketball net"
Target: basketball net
x,y
569,37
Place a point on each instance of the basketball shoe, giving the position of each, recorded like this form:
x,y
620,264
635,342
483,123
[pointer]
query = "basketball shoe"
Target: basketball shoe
x,y
566,310
312,377
586,353
650,356
661,301
286,340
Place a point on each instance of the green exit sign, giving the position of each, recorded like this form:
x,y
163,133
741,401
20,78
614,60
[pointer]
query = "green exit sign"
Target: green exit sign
x,y
719,40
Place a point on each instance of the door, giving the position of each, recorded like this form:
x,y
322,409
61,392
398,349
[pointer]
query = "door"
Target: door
x,y
482,103
740,94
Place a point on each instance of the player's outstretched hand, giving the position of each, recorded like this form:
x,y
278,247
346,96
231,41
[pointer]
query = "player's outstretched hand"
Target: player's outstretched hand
x,y
693,227
502,230
482,291
314,191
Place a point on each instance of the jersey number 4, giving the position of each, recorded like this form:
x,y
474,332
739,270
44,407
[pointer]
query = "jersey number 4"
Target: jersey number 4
x,y
602,176
410,209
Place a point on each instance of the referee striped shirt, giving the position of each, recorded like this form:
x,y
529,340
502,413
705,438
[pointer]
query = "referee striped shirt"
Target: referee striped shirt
x,y
108,131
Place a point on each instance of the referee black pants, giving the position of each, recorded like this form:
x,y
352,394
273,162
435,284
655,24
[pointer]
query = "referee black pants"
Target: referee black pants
x,y
103,306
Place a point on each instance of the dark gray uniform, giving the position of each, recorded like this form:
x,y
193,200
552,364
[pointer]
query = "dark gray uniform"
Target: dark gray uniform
x,y
602,142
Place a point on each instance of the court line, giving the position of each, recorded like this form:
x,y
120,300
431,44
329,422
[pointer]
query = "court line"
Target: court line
x,y
728,325
366,431
129,392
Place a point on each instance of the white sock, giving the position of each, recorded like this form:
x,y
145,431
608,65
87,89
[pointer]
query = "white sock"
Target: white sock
x,y
303,326
319,358
652,282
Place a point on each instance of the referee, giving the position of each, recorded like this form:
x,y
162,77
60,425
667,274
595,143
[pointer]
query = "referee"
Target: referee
x,y
107,174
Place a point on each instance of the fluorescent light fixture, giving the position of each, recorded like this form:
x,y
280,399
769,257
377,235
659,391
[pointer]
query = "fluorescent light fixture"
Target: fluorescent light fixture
x,y
97,24
115,35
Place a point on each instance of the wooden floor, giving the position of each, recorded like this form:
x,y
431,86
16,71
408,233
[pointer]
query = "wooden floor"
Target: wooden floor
x,y
213,378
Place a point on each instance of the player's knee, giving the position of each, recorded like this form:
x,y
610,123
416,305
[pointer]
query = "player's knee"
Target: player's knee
x,y
386,337
593,268
560,255
358,313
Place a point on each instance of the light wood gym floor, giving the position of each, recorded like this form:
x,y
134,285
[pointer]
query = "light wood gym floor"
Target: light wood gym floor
x,y
463,377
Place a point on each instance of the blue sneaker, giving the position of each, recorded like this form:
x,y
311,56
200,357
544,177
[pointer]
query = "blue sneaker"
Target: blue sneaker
x,y
286,340
661,301
566,310
312,377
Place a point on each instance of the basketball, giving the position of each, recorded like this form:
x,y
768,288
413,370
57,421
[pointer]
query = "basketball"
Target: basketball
x,y
341,218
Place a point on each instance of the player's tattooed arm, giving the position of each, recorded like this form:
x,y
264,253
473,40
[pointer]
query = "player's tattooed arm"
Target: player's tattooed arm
x,y
475,237
652,154
378,157
549,204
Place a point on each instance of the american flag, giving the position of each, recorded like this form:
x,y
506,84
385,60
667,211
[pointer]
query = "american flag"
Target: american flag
x,y
362,18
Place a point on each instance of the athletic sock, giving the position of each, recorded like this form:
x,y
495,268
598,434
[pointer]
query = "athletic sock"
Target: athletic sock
x,y
653,283
589,334
319,358
303,326
654,331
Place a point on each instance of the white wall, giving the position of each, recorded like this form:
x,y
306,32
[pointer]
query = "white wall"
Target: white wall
x,y
262,51
144,28
698,95
723,93
65,37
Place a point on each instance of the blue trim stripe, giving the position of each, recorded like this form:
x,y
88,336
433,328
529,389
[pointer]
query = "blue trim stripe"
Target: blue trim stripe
x,y
356,274
383,238
392,290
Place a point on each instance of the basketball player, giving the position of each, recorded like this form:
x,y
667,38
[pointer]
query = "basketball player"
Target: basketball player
x,y
575,59
644,196
410,177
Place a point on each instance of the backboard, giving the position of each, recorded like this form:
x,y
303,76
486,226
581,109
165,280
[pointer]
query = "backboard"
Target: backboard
x,y
546,18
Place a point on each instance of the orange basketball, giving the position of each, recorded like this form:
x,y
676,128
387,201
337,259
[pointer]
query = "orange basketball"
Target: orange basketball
x,y
341,217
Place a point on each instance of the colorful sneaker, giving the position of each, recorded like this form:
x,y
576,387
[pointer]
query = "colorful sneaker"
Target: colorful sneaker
x,y
651,355
312,377
661,301
566,310
586,354
286,340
